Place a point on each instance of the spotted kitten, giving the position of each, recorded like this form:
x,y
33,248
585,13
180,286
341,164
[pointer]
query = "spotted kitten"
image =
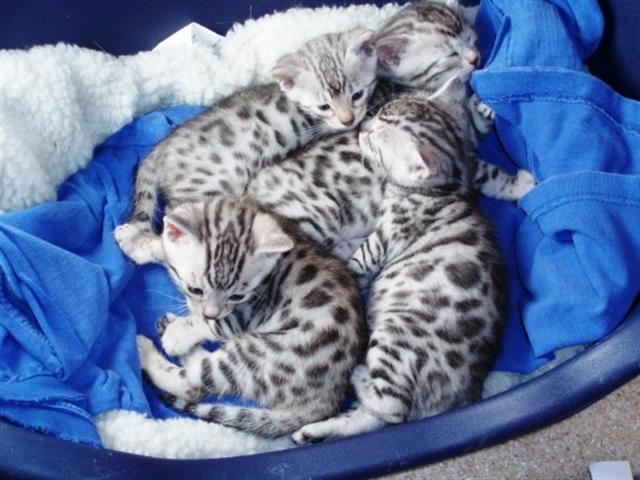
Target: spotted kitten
x,y
424,45
322,87
329,188
289,316
437,307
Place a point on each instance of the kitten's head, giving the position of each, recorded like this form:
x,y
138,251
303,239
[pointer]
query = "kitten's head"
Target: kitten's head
x,y
331,77
421,140
426,43
219,252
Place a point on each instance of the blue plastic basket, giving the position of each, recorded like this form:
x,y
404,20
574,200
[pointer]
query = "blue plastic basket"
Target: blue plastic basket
x,y
128,26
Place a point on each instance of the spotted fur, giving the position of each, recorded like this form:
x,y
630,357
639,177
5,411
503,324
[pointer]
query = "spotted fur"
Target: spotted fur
x,y
437,307
322,87
289,316
329,188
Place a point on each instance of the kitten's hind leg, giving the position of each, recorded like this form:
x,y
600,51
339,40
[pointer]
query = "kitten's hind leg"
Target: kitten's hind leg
x,y
494,182
482,116
384,386
349,423
139,243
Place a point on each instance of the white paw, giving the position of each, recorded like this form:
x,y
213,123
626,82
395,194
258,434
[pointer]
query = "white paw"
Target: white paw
x,y
486,112
140,246
483,116
524,183
177,339
146,351
360,377
308,434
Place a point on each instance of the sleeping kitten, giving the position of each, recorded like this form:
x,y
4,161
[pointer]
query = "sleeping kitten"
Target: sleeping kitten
x,y
424,45
322,87
289,316
438,304
329,189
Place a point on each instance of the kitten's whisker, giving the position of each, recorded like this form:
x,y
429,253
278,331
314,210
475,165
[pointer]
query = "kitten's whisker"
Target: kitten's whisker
x,y
172,297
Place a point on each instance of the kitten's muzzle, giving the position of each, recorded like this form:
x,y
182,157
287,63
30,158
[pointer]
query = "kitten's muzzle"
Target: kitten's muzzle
x,y
473,57
214,312
346,118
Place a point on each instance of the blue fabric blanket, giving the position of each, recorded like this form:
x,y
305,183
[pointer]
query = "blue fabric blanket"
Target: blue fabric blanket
x,y
71,304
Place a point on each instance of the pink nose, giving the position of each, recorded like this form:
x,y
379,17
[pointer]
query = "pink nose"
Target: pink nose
x,y
348,121
211,312
473,57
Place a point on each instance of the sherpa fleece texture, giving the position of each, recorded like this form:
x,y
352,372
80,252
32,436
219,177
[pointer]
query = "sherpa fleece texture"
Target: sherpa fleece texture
x,y
59,102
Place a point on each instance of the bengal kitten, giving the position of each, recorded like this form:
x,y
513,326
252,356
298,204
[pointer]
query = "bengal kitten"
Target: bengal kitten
x,y
289,316
437,306
322,87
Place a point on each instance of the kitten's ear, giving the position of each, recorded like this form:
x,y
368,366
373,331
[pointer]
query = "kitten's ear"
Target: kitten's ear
x,y
286,71
427,163
470,13
391,49
184,222
269,236
360,42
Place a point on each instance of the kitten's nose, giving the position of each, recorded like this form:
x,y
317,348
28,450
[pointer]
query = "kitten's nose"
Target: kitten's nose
x,y
211,312
473,57
346,118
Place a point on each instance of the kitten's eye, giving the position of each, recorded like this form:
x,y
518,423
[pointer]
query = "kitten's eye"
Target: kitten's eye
x,y
325,107
357,96
195,291
236,298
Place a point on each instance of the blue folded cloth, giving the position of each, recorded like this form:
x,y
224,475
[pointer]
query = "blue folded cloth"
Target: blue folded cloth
x,y
575,245
71,304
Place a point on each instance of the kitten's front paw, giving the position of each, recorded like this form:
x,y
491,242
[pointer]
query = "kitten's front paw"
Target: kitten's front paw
x,y
162,324
360,377
307,435
176,339
524,183
146,351
483,116
140,246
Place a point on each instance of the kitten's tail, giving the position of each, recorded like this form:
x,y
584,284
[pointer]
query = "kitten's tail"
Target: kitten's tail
x,y
261,421
146,192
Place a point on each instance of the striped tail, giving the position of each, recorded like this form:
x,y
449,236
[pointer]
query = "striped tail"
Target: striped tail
x,y
261,421
146,193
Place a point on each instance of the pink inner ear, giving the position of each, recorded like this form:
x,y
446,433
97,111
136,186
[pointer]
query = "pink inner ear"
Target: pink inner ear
x,y
174,232
390,50
366,48
286,81
420,171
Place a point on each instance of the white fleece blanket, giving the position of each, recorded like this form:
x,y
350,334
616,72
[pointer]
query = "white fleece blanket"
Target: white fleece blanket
x,y
58,102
